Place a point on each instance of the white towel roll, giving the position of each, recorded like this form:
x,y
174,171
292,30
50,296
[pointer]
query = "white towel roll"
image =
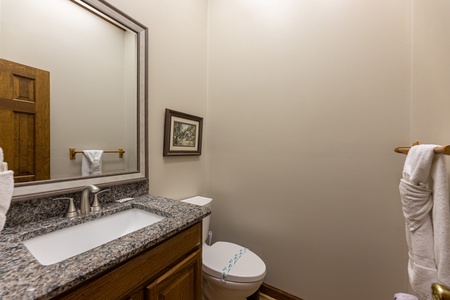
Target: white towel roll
x,y
6,191
403,296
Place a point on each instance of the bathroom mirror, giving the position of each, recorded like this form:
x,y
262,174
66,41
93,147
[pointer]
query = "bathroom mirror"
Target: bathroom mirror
x,y
81,43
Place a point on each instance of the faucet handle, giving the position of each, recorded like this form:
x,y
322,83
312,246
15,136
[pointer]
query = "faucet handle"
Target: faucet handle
x,y
96,204
71,210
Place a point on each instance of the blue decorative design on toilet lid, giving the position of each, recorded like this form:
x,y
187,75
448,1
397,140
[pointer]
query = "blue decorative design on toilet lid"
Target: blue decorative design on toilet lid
x,y
231,262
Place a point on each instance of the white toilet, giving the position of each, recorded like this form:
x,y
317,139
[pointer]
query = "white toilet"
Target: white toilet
x,y
230,271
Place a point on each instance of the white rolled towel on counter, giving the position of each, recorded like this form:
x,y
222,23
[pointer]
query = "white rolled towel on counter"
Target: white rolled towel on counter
x,y
92,162
403,296
6,191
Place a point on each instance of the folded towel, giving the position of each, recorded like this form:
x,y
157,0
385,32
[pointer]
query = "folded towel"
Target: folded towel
x,y
424,195
6,191
92,162
403,296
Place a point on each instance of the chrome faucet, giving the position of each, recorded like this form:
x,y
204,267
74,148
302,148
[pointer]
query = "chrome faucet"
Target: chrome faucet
x,y
85,207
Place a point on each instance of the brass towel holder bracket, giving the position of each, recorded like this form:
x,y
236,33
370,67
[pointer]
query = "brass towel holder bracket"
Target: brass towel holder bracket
x,y
73,152
438,150
440,292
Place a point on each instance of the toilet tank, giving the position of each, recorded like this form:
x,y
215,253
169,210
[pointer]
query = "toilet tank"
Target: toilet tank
x,y
206,202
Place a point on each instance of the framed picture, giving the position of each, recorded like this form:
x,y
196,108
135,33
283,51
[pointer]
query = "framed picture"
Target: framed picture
x,y
182,134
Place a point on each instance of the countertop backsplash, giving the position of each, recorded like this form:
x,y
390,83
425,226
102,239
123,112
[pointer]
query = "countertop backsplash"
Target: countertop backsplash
x,y
40,209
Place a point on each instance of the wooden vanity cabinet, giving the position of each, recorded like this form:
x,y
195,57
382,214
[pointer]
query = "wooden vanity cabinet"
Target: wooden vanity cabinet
x,y
180,282
170,270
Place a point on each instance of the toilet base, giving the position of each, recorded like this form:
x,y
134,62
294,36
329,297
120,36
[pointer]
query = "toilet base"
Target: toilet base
x,y
215,289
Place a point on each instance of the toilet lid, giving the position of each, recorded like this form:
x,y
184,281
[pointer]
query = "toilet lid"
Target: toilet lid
x,y
231,262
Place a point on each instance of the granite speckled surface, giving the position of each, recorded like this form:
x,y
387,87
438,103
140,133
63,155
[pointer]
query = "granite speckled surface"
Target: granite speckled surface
x,y
22,277
40,209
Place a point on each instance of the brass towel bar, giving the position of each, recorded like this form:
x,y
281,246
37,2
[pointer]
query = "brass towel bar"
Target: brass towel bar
x,y
438,150
74,151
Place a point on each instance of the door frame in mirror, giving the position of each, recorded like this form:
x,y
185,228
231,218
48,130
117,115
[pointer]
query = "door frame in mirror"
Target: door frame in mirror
x,y
53,187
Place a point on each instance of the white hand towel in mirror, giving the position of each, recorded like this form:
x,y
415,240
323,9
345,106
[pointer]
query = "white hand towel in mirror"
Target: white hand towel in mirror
x,y
92,162
6,191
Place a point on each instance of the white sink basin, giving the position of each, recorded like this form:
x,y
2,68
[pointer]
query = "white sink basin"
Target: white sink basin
x,y
62,244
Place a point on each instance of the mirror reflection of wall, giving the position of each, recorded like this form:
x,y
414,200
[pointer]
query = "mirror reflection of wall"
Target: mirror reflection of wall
x,y
92,66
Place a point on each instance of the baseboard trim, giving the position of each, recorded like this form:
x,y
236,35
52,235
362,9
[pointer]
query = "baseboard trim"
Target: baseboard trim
x,y
276,293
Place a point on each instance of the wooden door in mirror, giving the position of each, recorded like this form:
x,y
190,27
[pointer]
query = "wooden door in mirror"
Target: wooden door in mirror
x,y
25,120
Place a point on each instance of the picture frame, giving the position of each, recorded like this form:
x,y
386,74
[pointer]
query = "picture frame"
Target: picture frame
x,y
182,134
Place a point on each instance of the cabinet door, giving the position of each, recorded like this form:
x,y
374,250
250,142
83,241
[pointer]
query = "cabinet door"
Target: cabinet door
x,y
138,295
182,282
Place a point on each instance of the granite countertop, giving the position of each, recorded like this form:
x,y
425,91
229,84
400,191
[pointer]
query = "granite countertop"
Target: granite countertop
x,y
23,277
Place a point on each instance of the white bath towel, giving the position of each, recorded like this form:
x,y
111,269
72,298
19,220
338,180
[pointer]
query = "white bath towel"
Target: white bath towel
x,y
425,200
6,191
92,162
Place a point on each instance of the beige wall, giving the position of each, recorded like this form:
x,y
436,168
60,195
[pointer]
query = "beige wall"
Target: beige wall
x,y
307,100
177,80
431,72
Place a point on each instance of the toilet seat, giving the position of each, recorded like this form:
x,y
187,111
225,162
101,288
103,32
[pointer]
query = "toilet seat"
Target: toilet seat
x,y
231,262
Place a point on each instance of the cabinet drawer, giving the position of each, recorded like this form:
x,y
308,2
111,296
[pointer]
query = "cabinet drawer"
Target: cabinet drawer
x,y
140,270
